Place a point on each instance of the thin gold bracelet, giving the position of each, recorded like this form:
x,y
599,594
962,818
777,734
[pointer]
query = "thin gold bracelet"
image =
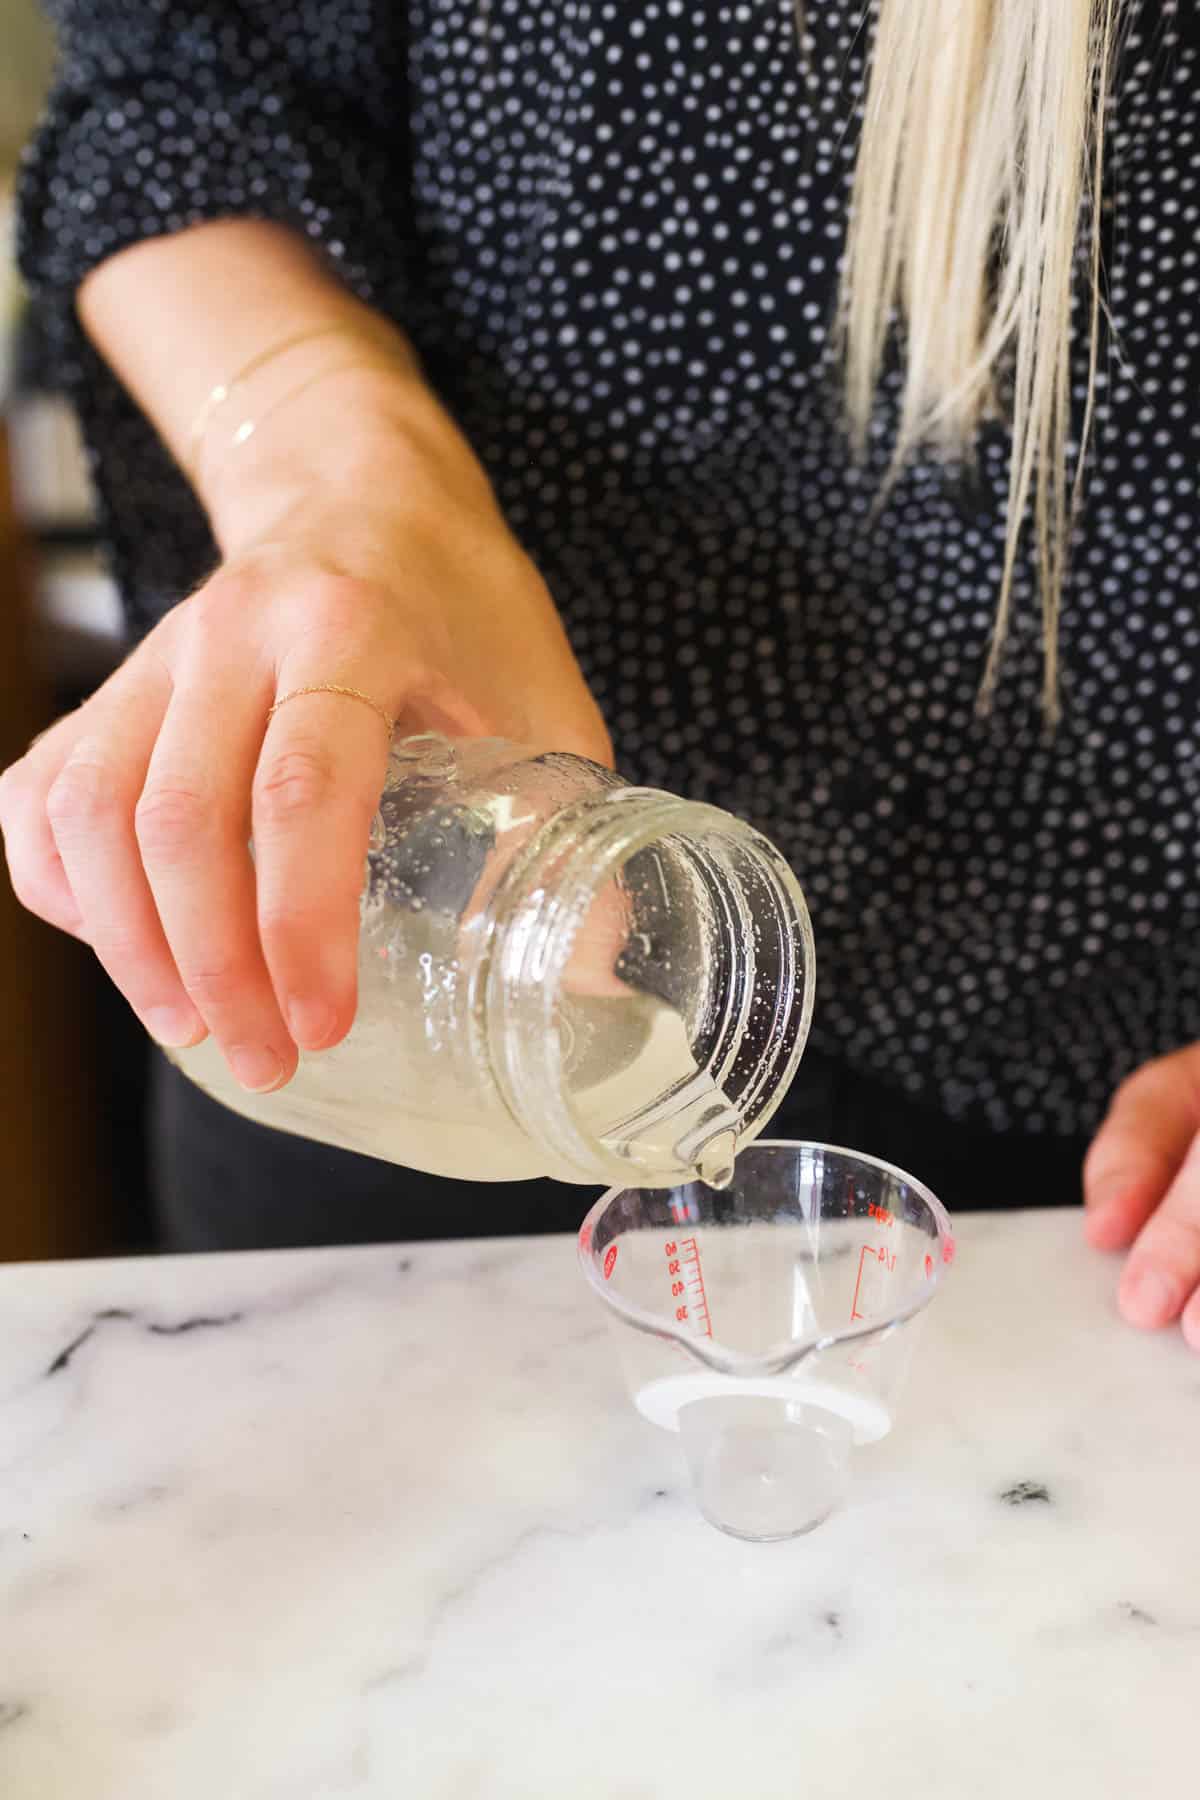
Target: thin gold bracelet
x,y
221,393
250,424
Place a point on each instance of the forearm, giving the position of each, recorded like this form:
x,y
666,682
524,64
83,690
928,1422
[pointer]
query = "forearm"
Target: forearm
x,y
178,315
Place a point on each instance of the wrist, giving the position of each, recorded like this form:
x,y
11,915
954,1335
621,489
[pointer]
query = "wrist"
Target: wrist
x,y
357,439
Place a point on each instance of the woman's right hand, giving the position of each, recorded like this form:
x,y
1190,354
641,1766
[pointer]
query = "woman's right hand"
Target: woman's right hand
x,y
128,823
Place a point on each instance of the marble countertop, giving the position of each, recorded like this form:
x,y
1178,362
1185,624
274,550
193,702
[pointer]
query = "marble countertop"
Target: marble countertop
x,y
383,1523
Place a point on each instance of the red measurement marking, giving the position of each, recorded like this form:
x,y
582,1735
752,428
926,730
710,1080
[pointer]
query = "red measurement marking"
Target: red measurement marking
x,y
687,1284
585,1236
694,1276
885,1256
610,1259
948,1250
928,1267
854,1312
881,1213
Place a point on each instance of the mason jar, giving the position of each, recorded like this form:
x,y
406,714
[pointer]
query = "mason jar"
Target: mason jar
x,y
559,974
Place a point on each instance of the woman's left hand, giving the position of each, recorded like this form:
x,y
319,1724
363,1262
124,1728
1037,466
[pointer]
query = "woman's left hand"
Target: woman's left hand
x,y
1142,1188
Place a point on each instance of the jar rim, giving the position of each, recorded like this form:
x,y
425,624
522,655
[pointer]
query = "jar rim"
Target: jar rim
x,y
537,912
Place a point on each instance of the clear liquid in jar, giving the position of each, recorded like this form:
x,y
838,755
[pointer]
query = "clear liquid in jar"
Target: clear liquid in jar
x,y
357,1097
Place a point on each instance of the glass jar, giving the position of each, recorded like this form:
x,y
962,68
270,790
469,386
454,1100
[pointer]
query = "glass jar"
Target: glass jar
x,y
559,974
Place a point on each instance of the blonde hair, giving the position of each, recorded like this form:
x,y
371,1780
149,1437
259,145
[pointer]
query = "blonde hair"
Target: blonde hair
x,y
983,134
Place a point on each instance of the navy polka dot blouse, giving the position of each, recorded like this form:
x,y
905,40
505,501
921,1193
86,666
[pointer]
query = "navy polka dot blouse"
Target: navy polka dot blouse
x,y
612,228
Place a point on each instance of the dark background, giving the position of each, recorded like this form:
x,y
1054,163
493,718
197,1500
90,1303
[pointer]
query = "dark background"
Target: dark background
x,y
73,1060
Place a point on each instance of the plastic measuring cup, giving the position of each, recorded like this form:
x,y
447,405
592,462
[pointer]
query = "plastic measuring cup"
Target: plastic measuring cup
x,y
770,1323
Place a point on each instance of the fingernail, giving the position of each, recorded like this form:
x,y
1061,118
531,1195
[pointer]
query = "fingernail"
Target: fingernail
x,y
1149,1299
256,1067
310,1022
174,1027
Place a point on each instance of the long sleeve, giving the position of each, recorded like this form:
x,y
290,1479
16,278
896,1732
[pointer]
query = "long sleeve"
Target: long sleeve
x,y
165,114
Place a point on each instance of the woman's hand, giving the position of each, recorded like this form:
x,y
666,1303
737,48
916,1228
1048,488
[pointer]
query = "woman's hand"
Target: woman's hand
x,y
1142,1188
128,823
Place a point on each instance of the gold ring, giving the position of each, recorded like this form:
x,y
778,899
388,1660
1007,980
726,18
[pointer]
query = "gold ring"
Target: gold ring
x,y
336,687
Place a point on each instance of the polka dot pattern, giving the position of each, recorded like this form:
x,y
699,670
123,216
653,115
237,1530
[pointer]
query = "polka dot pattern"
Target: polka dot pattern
x,y
613,228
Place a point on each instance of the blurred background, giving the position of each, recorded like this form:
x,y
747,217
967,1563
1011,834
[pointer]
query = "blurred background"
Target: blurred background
x,y
72,1061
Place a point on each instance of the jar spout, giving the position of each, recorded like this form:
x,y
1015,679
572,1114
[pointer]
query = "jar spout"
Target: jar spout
x,y
714,1160
693,1126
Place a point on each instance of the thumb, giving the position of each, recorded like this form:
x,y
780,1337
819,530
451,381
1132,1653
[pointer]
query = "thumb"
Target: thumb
x,y
1140,1147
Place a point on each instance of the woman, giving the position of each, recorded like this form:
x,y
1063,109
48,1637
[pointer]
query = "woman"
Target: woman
x,y
611,234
